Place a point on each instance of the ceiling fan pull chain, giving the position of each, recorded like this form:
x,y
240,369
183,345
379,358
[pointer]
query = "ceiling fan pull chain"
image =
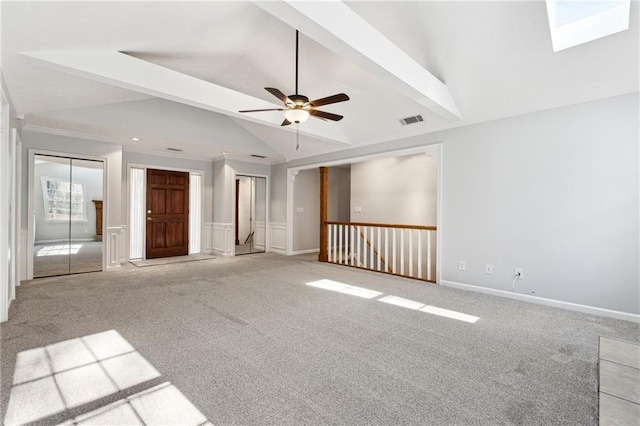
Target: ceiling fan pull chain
x,y
297,136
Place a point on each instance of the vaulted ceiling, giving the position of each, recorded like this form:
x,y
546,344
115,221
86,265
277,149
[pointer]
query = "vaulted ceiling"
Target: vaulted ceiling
x,y
175,74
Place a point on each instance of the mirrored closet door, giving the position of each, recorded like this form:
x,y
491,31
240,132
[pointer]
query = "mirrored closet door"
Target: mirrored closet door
x,y
67,213
251,214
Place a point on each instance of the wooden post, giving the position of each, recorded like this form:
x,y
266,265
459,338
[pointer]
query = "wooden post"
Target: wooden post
x,y
324,197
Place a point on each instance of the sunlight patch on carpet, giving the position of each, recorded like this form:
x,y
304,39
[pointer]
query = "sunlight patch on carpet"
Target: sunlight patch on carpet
x,y
345,288
53,378
392,300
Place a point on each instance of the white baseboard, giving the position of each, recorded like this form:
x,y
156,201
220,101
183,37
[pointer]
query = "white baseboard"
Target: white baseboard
x,y
317,250
277,251
543,301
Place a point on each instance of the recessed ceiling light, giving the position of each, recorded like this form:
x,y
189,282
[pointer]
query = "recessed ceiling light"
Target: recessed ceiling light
x,y
135,139
224,152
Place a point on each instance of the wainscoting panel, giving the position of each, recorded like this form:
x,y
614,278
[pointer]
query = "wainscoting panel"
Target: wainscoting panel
x,y
278,237
207,242
113,246
260,235
222,239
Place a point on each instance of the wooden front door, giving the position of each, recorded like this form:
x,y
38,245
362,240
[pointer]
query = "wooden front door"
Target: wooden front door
x,y
167,213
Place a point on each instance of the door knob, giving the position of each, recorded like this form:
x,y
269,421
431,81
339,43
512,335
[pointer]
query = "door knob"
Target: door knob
x,y
148,211
148,218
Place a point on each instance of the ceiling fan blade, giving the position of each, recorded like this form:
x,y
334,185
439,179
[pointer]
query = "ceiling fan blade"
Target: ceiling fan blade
x,y
340,97
260,110
327,115
278,94
285,122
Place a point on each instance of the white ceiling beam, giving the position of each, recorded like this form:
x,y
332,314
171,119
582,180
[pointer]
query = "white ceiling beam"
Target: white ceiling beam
x,y
127,72
340,29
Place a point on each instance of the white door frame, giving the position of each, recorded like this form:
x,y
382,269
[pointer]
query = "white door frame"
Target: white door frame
x,y
144,230
5,199
267,237
30,205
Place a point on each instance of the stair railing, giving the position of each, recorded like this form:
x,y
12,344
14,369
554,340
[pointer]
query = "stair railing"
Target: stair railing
x,y
405,250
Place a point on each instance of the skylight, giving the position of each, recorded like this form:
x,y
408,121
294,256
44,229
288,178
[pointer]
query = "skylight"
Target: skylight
x,y
574,22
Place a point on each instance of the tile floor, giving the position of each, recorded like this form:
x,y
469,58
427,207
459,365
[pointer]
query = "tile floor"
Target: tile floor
x,y
619,382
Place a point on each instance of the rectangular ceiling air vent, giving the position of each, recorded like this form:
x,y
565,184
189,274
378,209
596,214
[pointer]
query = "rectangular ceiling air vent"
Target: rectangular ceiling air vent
x,y
411,120
258,156
174,149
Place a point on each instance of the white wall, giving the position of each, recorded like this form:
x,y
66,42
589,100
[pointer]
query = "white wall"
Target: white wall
x,y
554,192
396,190
339,196
279,193
306,223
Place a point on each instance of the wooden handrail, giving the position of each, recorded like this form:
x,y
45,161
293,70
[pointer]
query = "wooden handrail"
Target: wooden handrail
x,y
384,225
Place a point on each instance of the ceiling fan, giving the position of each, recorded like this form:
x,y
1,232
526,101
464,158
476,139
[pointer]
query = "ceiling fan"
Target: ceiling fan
x,y
298,108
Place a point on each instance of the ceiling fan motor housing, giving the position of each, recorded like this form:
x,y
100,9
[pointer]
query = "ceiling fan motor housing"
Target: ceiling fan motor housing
x,y
298,100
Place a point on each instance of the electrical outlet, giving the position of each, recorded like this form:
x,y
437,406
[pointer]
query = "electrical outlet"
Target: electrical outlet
x,y
488,268
462,265
518,273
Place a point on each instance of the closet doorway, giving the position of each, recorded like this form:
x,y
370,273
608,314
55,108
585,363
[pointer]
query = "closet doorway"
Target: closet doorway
x,y
67,197
251,214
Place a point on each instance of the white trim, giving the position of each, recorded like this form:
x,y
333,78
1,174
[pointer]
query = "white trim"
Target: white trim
x,y
207,241
200,225
267,202
297,252
18,211
547,302
5,191
277,237
291,178
30,205
114,234
222,239
124,232
24,238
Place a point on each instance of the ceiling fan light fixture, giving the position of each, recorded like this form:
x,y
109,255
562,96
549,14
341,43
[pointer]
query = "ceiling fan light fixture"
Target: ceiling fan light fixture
x,y
296,115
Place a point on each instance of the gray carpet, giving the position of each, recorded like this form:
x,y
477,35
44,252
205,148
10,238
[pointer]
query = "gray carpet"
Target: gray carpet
x,y
249,343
